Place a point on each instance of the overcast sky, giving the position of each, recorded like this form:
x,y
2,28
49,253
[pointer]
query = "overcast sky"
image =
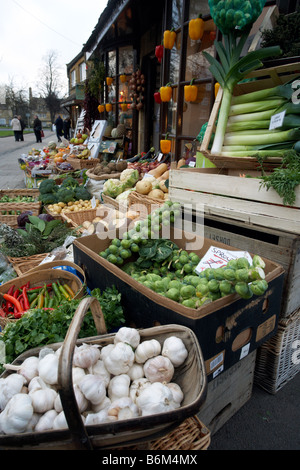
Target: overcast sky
x,y
29,29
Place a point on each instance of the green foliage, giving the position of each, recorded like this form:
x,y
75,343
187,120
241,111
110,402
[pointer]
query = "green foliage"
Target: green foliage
x,y
40,327
82,193
285,33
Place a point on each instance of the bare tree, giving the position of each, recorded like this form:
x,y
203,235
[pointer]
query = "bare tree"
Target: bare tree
x,y
50,83
16,99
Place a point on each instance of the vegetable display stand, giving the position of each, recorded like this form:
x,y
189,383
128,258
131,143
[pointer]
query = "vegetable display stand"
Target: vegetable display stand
x,y
263,79
226,328
80,164
277,361
143,204
234,197
190,377
9,210
62,271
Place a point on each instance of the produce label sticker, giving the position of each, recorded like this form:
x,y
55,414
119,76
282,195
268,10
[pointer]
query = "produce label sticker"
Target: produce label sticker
x,y
218,258
276,120
93,202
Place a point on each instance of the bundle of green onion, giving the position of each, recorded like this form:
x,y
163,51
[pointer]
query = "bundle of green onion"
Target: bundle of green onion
x,y
247,131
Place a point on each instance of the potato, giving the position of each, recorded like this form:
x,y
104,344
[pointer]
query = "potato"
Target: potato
x,y
156,194
143,187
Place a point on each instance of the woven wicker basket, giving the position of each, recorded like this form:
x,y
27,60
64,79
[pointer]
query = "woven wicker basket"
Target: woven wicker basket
x,y
105,176
77,218
143,204
24,264
45,274
190,376
35,207
80,164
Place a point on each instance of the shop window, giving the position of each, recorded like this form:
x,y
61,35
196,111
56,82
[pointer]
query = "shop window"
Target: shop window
x,y
195,114
177,7
73,78
82,71
126,60
196,65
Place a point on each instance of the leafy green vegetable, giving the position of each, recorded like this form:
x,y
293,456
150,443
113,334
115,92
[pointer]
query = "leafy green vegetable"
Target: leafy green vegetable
x,y
39,327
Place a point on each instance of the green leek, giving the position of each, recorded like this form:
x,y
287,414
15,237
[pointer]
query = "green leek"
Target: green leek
x,y
280,91
263,139
259,116
255,106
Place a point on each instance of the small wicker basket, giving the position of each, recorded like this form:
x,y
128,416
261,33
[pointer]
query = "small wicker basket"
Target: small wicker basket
x,y
11,219
80,164
143,204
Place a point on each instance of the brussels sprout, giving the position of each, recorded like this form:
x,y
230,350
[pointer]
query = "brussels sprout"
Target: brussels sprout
x,y
213,285
209,273
242,274
258,261
242,263
112,258
190,303
256,273
187,291
202,289
229,274
173,294
259,287
225,287
175,283
219,274
243,289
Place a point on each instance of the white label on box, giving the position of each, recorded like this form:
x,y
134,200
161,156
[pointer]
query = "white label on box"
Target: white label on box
x,y
192,164
160,156
245,351
218,258
276,120
216,361
93,202
218,371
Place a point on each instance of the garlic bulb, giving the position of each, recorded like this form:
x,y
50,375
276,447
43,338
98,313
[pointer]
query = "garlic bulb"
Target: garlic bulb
x,y
93,388
86,355
9,386
37,384
29,368
98,418
176,392
43,399
146,350
159,369
48,368
77,375
123,408
57,404
17,414
46,421
104,404
157,398
33,422
137,386
60,421
175,350
99,369
128,335
119,387
120,359
136,371
105,351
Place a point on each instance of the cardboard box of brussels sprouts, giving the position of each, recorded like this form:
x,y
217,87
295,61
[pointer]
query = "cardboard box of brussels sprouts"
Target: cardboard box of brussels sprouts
x,y
228,329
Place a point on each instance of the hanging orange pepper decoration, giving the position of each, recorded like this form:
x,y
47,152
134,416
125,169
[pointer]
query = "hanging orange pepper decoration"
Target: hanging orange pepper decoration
x,y
190,92
165,145
101,108
169,38
108,107
196,28
166,93
124,106
123,78
109,81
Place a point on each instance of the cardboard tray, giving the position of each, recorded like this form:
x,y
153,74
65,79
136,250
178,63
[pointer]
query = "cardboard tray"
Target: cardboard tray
x,y
227,329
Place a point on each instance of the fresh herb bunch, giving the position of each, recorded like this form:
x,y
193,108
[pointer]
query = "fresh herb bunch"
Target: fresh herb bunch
x,y
285,178
39,236
39,327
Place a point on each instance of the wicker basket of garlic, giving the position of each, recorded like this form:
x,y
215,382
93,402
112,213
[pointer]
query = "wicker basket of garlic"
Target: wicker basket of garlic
x,y
102,392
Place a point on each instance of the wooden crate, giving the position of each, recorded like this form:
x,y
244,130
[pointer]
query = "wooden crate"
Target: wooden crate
x,y
278,358
235,198
266,78
227,393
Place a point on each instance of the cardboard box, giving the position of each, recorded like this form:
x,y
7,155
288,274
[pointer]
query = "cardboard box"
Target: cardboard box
x,y
227,329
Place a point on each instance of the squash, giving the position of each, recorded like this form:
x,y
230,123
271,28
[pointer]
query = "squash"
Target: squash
x,y
163,187
164,176
180,163
159,170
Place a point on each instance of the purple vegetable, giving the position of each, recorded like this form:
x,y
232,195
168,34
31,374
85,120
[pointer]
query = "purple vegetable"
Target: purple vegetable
x,y
46,217
23,218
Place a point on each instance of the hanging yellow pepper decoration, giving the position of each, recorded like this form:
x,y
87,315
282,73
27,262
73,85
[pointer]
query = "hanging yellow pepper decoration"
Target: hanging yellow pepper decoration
x,y
166,93
124,106
109,81
101,108
196,28
169,38
165,145
108,107
123,78
190,92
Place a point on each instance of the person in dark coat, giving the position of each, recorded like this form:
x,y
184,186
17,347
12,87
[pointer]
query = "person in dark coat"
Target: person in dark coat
x,y
37,127
59,123
22,128
67,127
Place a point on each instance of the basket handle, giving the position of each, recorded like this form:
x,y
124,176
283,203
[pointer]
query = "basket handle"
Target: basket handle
x,y
65,382
52,264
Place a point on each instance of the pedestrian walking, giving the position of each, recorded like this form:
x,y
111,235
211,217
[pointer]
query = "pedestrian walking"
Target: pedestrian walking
x,y
67,127
16,127
22,128
37,127
59,123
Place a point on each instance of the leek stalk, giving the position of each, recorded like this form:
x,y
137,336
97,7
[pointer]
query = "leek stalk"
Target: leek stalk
x,y
280,91
255,106
263,139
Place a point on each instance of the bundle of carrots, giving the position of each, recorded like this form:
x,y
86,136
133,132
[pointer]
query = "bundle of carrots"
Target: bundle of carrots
x,y
18,300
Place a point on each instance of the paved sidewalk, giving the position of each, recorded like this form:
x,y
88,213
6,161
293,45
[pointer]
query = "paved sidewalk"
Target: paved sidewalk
x,y
11,175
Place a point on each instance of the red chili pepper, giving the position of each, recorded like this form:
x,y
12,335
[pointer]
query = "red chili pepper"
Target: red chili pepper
x,y
38,287
27,285
16,293
18,315
2,312
159,52
14,301
9,306
25,299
